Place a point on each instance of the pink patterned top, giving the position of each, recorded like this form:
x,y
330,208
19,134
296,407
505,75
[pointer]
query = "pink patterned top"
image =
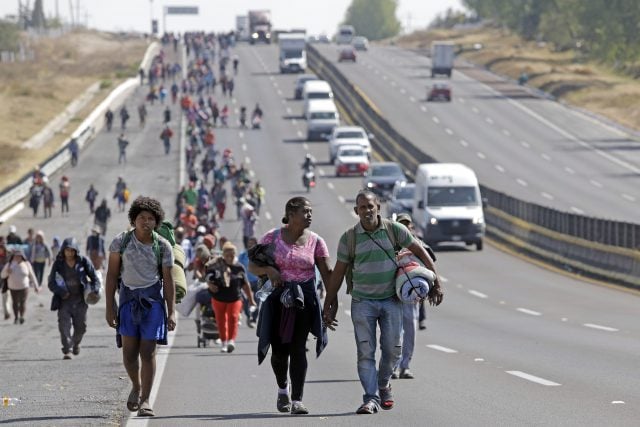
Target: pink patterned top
x,y
297,263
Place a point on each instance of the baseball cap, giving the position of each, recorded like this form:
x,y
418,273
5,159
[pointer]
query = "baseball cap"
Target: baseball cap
x,y
404,217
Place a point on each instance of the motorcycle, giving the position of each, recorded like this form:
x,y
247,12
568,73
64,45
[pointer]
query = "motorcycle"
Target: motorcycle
x,y
256,122
309,179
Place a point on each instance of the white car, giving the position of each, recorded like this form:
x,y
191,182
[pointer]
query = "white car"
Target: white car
x,y
360,43
351,160
350,135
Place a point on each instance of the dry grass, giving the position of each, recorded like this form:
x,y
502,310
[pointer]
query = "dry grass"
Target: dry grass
x,y
33,93
563,74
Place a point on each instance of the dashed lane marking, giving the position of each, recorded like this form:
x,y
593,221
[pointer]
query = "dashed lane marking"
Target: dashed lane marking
x,y
481,155
305,145
533,378
600,327
267,215
330,185
500,168
628,197
435,119
525,144
522,182
464,143
529,312
449,131
247,160
341,199
546,157
478,294
547,196
577,210
568,170
441,348
595,183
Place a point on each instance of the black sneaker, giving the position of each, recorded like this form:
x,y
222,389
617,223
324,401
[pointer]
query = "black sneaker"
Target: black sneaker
x,y
395,374
406,374
283,403
298,408
76,350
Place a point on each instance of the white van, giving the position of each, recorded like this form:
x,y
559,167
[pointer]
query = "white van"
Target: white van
x,y
315,89
345,34
447,206
322,116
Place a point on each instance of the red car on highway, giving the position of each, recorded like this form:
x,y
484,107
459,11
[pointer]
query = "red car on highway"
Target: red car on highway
x,y
440,91
347,53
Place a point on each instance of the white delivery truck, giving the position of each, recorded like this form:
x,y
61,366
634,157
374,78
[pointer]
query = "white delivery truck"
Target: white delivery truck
x,y
293,54
442,56
447,206
242,28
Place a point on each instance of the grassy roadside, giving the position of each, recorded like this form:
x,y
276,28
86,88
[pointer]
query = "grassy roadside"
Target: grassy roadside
x,y
565,75
33,93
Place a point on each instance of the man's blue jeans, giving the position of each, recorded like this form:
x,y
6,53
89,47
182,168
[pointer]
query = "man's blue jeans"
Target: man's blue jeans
x,y
366,314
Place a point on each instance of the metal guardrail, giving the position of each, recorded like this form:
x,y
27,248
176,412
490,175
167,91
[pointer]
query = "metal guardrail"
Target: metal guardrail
x,y
593,246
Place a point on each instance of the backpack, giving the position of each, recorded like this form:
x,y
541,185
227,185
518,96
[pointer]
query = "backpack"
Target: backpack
x,y
351,247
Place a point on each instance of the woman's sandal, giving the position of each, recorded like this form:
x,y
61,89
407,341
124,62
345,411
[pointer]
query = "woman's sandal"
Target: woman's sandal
x,y
145,410
133,401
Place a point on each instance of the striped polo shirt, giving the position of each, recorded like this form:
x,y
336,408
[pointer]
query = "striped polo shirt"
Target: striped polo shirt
x,y
373,271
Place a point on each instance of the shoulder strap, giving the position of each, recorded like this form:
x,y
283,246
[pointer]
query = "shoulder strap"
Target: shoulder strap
x,y
125,241
391,233
351,250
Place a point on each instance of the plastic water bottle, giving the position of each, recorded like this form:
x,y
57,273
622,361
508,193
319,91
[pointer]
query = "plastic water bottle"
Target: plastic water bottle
x,y
264,291
10,401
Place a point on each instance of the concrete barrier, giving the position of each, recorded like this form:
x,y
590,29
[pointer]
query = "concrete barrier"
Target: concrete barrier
x,y
605,262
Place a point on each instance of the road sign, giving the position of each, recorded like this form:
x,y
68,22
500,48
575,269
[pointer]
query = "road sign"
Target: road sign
x,y
181,10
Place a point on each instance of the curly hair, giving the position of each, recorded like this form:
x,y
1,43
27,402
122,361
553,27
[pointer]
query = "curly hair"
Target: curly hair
x,y
367,193
142,203
292,206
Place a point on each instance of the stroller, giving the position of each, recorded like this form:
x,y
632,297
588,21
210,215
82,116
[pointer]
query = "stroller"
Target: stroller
x,y
206,324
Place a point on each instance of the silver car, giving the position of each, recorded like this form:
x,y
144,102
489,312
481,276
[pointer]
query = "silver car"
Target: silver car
x,y
401,199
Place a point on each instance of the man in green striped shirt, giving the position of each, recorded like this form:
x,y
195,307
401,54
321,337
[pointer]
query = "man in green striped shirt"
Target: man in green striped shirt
x,y
373,299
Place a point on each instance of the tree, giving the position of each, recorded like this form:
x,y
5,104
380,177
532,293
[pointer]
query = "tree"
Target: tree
x,y
9,36
374,19
37,18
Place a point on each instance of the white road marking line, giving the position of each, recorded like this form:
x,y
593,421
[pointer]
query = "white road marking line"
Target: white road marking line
x,y
299,133
595,183
546,157
478,359
489,120
321,172
275,84
305,146
376,72
459,286
247,160
341,199
525,144
568,170
423,108
412,99
617,402
288,110
393,83
244,147
521,182
481,155
435,119
267,215
330,185
271,77
449,131
475,110
628,197
441,348
461,100
241,134
506,132
236,111
464,143
252,173
384,77
478,294
403,91
533,378
527,311
577,210
547,195
564,319
443,279
600,327
499,168
294,122
279,92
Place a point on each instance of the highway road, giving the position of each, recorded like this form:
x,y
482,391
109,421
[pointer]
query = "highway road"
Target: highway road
x,y
512,344
532,148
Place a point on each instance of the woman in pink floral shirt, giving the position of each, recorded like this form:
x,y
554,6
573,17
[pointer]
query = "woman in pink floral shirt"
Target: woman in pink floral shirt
x,y
297,252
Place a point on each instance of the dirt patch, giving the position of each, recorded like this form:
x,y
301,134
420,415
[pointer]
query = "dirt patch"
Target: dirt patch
x,y
33,93
565,75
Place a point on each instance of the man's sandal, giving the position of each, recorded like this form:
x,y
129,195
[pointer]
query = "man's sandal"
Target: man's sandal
x,y
145,411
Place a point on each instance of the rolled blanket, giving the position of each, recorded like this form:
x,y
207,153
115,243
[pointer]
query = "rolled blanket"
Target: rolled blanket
x,y
415,288
177,272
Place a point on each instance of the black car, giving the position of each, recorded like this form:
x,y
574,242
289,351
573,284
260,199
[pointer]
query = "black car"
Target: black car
x,y
381,178
401,199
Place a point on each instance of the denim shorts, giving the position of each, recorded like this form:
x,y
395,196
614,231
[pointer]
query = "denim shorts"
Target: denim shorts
x,y
151,326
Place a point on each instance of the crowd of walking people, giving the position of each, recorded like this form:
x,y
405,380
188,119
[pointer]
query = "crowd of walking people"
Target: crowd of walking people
x,y
139,261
